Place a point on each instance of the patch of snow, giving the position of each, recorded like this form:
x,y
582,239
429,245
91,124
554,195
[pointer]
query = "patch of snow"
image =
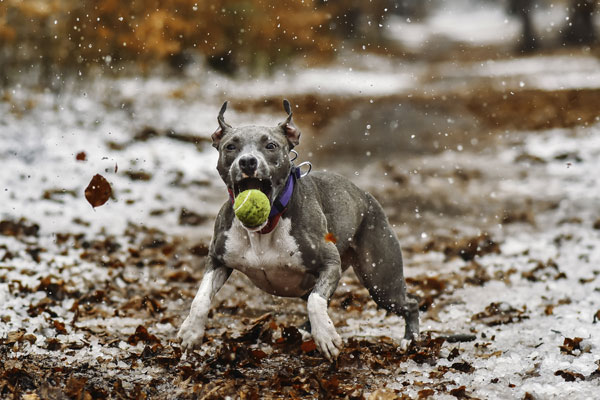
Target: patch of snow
x,y
474,25
536,72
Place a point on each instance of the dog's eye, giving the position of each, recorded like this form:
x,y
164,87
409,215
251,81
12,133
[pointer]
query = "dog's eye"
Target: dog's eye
x,y
230,147
271,146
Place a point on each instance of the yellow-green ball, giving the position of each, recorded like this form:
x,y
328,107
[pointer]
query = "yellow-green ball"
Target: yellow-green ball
x,y
252,208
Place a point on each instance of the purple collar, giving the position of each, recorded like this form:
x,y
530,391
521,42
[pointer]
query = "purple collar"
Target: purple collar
x,y
280,204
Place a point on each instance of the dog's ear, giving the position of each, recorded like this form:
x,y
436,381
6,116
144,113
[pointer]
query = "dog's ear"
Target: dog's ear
x,y
289,129
223,126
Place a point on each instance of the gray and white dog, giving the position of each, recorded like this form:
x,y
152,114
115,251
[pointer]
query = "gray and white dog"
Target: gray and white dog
x,y
319,226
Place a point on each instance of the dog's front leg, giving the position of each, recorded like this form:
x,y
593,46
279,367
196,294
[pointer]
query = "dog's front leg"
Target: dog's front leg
x,y
192,329
323,331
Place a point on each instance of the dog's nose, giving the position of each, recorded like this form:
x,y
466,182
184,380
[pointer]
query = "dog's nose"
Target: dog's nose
x,y
248,165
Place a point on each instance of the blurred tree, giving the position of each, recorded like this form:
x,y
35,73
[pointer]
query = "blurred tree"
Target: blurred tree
x,y
58,35
522,8
580,29
414,9
358,19
258,35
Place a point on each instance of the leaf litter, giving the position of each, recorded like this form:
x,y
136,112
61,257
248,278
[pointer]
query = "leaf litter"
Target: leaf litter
x,y
506,279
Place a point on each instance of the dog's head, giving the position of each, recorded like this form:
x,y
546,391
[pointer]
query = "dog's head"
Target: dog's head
x,y
255,157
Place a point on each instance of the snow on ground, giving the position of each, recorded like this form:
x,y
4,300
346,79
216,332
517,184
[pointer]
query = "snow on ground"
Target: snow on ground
x,y
348,81
77,292
41,147
475,23
546,274
541,72
480,25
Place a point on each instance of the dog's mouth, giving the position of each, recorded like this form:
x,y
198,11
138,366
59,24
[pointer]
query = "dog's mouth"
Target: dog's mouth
x,y
264,185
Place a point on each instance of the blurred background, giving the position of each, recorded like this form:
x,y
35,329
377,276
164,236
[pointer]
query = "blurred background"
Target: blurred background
x,y
54,39
378,85
476,124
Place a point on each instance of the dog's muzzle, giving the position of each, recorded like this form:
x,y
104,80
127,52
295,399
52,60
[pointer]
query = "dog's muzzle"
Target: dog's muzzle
x,y
262,184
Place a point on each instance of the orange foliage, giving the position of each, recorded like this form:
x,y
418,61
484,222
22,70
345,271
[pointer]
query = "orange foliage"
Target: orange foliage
x,y
58,35
255,34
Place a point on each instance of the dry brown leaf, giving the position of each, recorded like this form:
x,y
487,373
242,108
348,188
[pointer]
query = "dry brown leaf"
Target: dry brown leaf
x,y
98,191
330,237
383,394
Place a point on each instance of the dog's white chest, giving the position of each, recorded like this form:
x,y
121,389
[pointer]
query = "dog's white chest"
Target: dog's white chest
x,y
273,261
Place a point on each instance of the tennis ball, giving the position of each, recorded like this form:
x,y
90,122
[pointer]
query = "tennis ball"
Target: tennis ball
x,y
252,208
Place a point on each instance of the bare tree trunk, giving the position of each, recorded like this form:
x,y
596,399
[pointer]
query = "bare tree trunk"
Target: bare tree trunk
x,y
522,8
580,28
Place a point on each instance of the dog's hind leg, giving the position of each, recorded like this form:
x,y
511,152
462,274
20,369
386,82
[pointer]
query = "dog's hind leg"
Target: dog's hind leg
x,y
379,268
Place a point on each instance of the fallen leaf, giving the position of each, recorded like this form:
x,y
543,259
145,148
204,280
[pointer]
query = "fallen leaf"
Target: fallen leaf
x,y
199,250
180,276
291,336
141,335
150,304
260,329
439,372
467,248
453,354
426,350
19,378
98,191
571,346
258,354
53,344
308,346
95,296
138,175
497,353
187,217
569,376
18,228
331,386
59,326
463,367
81,156
30,337
425,393
459,392
329,237
74,387
544,271
500,313
12,337
383,394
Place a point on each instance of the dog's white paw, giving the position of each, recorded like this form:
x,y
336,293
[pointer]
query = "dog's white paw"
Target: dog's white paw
x,y
323,332
327,340
404,345
191,333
